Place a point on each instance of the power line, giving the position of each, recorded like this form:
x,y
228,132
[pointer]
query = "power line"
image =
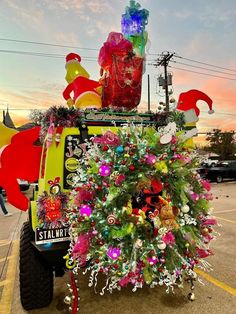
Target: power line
x,y
47,55
46,44
199,67
42,54
222,77
208,64
58,45
96,49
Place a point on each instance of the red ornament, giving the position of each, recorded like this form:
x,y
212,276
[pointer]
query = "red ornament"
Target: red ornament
x,y
132,168
105,148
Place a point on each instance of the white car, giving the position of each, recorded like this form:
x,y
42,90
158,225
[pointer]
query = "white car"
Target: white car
x,y
211,161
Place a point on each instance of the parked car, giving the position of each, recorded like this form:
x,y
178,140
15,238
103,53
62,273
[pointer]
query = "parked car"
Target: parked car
x,y
24,185
222,170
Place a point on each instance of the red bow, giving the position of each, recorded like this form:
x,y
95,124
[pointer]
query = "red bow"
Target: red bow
x,y
55,182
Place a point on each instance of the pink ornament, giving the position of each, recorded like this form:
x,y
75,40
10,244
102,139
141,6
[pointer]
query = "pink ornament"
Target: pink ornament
x,y
209,222
169,238
113,253
194,196
104,170
109,138
85,210
82,245
152,260
206,185
151,159
124,281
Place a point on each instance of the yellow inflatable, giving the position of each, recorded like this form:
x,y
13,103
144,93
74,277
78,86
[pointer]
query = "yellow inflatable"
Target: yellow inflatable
x,y
86,92
6,134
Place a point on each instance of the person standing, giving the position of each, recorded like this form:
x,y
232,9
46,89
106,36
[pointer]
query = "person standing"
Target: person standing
x,y
2,204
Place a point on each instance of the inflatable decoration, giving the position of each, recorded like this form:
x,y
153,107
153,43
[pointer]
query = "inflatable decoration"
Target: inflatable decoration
x,y
121,59
188,101
86,92
20,160
6,134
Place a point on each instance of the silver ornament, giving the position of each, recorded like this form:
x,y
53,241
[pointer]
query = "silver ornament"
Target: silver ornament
x,y
161,245
67,300
185,209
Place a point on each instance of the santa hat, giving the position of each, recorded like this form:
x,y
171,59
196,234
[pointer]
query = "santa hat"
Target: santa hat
x,y
188,100
72,57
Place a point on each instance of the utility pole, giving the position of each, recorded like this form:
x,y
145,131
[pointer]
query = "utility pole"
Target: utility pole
x,y
164,60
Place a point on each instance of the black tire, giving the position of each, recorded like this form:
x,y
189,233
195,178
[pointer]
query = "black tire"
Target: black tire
x,y
36,276
219,179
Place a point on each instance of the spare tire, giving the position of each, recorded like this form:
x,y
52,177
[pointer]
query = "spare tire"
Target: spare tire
x,y
36,276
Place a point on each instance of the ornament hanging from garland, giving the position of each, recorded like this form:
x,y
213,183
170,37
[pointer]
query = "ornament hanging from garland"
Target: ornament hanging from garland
x,y
153,226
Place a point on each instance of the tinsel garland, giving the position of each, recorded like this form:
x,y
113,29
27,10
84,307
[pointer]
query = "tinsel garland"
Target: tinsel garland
x,y
140,212
59,116
70,117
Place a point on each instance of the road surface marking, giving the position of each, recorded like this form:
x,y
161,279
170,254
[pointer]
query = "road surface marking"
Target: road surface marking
x,y
216,282
225,211
232,221
4,282
5,258
4,242
8,288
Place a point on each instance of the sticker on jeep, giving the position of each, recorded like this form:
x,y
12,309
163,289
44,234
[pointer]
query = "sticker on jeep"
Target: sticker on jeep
x,y
73,152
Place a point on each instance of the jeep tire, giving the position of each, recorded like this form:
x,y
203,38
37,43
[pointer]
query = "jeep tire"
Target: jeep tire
x,y
36,276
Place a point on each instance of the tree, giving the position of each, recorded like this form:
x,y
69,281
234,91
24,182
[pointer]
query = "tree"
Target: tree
x,y
222,143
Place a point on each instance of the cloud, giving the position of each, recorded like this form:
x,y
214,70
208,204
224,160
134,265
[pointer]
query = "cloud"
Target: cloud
x,y
33,98
31,14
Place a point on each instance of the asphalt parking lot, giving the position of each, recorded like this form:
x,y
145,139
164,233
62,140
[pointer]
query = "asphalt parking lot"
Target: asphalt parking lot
x,y
216,295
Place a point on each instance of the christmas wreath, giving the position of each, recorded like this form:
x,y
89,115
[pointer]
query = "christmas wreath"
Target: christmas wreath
x,y
140,211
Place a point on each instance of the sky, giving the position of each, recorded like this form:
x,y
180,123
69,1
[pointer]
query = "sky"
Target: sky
x,y
202,33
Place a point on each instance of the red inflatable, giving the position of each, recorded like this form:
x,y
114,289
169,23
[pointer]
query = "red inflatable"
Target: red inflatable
x,y
188,100
20,160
